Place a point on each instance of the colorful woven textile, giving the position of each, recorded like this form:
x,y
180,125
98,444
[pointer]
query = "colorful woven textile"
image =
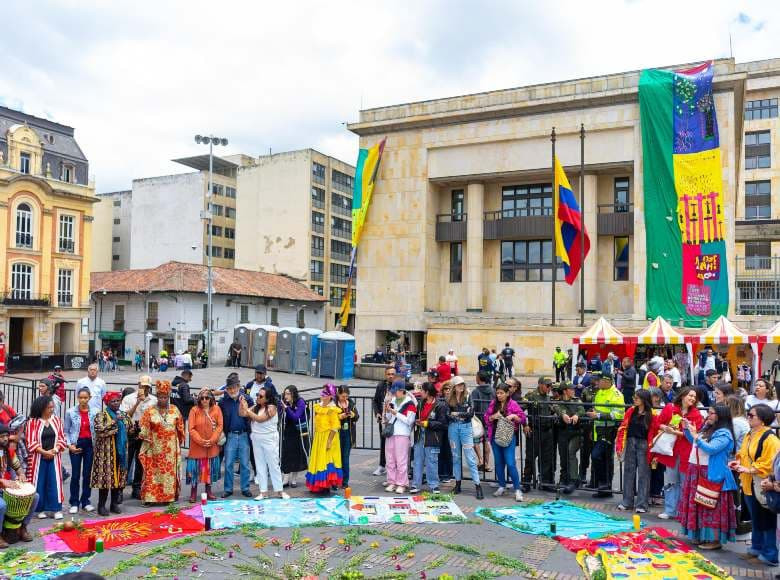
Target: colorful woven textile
x,y
126,530
647,540
42,565
402,510
279,513
556,519
649,566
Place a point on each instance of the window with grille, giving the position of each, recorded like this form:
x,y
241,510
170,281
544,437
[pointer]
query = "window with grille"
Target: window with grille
x,y
318,172
337,295
340,250
317,247
456,262
339,273
244,313
119,317
301,318
758,200
24,238
758,150
760,109
275,316
341,204
341,227
230,233
758,255
65,287
67,242
341,181
229,253
528,261
317,270
318,222
21,281
152,309
317,197
526,200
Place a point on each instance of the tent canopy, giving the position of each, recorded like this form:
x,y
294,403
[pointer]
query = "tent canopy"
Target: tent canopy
x,y
601,332
723,331
771,336
659,331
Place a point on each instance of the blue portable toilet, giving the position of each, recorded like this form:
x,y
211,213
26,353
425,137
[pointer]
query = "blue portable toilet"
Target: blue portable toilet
x,y
307,349
337,355
285,348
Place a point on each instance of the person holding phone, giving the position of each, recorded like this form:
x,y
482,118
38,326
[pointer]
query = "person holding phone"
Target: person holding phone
x,y
79,433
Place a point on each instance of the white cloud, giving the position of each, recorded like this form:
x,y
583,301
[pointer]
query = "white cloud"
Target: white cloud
x,y
139,79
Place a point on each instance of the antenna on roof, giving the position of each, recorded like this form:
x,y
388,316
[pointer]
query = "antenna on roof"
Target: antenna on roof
x,y
731,47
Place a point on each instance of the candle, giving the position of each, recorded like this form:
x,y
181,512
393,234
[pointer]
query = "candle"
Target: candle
x,y
91,543
553,528
347,492
207,523
203,499
637,522
99,545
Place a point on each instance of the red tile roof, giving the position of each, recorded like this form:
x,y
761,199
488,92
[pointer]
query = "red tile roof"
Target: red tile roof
x,y
181,277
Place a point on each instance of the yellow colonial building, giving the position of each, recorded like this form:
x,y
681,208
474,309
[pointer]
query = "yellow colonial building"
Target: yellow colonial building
x,y
457,250
46,220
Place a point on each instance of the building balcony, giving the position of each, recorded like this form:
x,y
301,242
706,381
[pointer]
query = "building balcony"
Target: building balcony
x,y
317,252
341,210
339,256
451,227
65,300
758,285
318,228
318,203
615,219
317,276
757,229
24,298
509,224
67,246
339,233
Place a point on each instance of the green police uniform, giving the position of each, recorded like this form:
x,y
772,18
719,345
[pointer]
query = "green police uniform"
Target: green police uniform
x,y
541,442
569,438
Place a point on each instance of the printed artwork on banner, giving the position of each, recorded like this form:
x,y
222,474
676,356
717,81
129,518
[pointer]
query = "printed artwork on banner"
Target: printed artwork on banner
x,y
279,513
43,565
649,566
647,540
402,510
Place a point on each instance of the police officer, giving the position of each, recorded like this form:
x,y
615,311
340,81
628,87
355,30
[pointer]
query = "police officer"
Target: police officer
x,y
607,412
559,365
586,396
540,439
569,410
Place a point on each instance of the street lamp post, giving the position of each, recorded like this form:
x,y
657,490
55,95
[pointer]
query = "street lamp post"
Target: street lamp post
x,y
211,140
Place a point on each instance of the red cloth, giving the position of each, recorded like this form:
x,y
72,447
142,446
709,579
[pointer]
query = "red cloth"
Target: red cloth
x,y
426,410
6,414
84,430
640,542
682,448
444,370
128,530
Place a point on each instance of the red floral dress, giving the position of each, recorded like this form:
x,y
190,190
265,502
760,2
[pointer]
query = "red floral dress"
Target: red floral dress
x,y
160,454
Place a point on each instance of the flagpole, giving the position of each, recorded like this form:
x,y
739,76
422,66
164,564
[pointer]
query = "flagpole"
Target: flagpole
x,y
554,256
582,225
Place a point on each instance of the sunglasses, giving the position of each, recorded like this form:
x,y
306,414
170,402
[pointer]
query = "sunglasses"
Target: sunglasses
x,y
204,399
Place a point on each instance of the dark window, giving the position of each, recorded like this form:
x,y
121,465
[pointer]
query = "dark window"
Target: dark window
x,y
457,208
230,192
301,318
216,209
68,171
341,181
758,200
340,227
230,213
528,261
65,288
317,246
526,200
244,313
216,231
622,194
340,250
337,295
117,221
230,233
217,189
758,150
24,162
318,289
318,222
230,253
339,273
622,248
115,257
758,255
341,204
761,109
117,203
317,197
67,243
116,238
216,252
317,270
275,316
318,172
456,262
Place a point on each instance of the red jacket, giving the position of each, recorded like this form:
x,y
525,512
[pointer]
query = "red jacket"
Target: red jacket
x,y
444,370
682,448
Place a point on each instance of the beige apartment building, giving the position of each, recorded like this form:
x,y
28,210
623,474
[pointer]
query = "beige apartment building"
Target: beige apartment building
x,y
294,217
456,251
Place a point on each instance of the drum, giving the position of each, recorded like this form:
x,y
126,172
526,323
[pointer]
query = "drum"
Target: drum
x,y
18,501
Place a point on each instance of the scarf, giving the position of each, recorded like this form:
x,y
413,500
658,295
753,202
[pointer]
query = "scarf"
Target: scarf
x,y
121,439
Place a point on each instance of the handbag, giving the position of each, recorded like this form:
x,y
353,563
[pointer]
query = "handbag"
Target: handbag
x,y
505,431
758,494
663,443
707,492
387,430
477,429
772,501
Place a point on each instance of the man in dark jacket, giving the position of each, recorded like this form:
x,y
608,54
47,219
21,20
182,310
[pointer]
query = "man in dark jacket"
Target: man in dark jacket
x,y
540,438
481,396
236,429
627,379
180,394
380,395
430,430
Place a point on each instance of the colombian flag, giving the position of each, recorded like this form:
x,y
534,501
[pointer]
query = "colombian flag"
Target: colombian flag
x,y
568,224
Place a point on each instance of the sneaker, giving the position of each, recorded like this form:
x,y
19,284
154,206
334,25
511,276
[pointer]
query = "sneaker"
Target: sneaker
x,y
518,495
89,508
433,490
284,495
622,508
390,488
499,492
260,497
414,489
379,471
400,489
664,516
74,509
42,516
641,510
58,516
293,483
494,484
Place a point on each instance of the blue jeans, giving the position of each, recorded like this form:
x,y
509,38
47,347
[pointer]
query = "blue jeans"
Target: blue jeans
x,y
462,438
673,483
237,445
763,542
46,486
505,459
345,440
27,518
430,457
82,471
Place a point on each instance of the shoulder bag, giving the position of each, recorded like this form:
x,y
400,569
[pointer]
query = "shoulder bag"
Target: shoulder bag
x,y
756,483
505,431
707,492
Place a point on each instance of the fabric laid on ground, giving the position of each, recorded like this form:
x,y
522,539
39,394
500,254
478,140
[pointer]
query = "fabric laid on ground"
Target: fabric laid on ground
x,y
42,565
279,513
404,509
647,540
649,566
124,531
556,519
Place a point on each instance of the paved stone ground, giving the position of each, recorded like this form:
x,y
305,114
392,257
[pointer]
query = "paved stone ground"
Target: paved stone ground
x,y
541,554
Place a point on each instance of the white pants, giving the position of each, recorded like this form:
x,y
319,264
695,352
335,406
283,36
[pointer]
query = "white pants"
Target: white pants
x,y
266,451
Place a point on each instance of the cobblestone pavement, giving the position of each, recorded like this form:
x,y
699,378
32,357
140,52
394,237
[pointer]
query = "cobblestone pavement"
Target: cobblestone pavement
x,y
325,555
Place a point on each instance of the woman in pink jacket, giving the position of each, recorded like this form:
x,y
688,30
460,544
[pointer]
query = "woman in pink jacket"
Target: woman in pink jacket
x,y
504,406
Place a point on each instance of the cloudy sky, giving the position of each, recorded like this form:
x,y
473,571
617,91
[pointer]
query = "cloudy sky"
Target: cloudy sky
x,y
139,79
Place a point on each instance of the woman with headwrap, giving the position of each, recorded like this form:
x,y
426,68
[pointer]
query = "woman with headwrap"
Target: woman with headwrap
x,y
205,425
162,433
109,464
325,461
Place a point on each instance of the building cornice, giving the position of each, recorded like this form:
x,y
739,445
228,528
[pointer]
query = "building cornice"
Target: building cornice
x,y
47,187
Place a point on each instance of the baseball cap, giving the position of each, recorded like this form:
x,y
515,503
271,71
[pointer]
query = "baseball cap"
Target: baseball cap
x,y
261,369
145,380
457,381
397,386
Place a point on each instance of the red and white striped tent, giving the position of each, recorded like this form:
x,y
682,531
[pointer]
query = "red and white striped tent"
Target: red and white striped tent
x,y
771,336
659,331
723,331
601,332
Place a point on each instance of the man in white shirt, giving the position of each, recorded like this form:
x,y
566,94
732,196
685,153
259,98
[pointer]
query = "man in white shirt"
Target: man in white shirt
x,y
96,386
674,372
134,406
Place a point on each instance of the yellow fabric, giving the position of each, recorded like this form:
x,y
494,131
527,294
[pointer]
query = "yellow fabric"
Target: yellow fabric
x,y
646,384
699,185
648,565
326,420
763,464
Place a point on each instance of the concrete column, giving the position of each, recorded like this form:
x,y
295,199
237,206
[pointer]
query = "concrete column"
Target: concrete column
x,y
475,203
590,184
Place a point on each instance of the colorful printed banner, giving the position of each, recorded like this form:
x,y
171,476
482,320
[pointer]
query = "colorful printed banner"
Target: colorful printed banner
x,y
43,565
647,540
649,566
279,513
684,208
402,510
